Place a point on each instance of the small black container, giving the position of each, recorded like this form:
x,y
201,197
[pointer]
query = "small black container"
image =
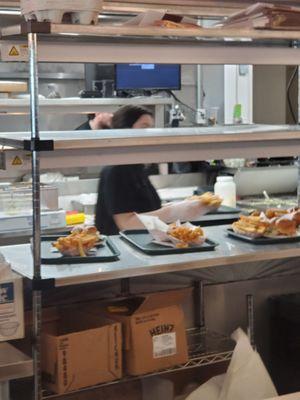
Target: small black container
x,y
105,252
142,240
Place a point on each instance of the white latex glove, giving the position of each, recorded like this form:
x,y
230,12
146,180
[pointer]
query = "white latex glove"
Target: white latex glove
x,y
186,210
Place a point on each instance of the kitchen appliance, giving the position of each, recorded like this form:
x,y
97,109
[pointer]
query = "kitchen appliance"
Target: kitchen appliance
x,y
276,179
16,208
17,198
148,77
23,222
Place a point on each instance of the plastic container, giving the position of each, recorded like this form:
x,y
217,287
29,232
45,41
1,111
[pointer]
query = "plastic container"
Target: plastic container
x,y
213,113
75,218
226,188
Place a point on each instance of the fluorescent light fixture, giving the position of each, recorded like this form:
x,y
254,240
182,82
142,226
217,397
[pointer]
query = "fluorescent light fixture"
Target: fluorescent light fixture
x,y
9,12
237,39
116,15
69,34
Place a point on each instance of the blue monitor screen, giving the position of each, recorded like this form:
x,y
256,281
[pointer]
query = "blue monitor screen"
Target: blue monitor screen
x,y
148,76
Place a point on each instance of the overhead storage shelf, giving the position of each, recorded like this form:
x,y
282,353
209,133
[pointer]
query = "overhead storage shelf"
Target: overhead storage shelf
x,y
127,31
117,147
67,43
77,105
13,363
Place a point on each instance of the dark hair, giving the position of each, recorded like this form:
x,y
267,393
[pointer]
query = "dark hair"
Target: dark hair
x,y
127,116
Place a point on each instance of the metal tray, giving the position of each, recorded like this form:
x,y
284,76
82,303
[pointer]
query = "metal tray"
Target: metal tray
x,y
225,210
105,252
142,240
263,240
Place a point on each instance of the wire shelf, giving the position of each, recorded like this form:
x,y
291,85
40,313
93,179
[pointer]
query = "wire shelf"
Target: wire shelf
x,y
205,348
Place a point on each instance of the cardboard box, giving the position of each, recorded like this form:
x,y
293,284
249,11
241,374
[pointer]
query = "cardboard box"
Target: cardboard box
x,y
154,331
80,350
11,308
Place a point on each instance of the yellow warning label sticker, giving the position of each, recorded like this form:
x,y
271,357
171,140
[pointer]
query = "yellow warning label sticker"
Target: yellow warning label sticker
x,y
14,52
17,161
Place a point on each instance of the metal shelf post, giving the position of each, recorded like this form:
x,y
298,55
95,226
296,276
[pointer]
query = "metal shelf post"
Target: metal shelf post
x,y
4,390
36,211
250,318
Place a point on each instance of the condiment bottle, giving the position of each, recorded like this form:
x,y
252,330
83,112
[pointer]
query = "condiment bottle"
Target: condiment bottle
x,y
226,189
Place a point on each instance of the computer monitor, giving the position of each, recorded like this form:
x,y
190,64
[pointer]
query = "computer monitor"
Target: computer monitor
x,y
99,80
147,77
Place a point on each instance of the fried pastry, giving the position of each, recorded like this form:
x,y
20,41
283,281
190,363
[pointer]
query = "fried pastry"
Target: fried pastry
x,y
252,226
78,243
165,23
283,227
270,213
296,214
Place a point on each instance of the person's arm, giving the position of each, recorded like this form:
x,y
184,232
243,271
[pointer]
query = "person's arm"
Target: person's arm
x,y
122,198
187,210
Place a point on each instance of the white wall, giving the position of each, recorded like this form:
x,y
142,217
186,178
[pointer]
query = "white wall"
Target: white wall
x,y
238,89
269,93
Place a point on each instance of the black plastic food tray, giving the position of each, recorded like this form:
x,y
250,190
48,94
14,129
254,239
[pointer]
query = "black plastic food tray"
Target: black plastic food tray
x,y
142,240
105,252
225,210
263,240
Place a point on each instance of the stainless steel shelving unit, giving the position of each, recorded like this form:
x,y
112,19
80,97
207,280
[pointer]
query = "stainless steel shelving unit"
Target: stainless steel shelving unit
x,y
45,42
115,43
86,106
132,263
13,365
115,147
205,348
78,105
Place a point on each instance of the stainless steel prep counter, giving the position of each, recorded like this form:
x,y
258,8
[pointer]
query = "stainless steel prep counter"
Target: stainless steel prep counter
x,y
133,263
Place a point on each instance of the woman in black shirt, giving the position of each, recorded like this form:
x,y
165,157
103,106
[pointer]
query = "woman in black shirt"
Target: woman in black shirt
x,y
126,189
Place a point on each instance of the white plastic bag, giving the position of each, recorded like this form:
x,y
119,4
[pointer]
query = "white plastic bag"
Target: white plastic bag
x,y
245,379
210,390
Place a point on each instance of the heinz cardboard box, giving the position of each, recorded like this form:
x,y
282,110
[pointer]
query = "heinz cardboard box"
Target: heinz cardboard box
x,y
11,308
80,350
154,331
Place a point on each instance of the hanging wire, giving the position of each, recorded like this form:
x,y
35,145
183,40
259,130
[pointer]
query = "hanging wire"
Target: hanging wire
x,y
288,94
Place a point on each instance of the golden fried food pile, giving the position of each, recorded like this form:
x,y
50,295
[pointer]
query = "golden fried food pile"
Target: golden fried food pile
x,y
296,215
208,199
271,213
164,23
284,227
186,235
269,224
78,243
251,226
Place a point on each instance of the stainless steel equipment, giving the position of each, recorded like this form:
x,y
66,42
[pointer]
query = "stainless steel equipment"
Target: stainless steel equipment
x,y
17,198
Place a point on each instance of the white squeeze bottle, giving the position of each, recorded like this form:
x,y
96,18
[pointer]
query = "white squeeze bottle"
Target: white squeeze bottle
x,y
226,189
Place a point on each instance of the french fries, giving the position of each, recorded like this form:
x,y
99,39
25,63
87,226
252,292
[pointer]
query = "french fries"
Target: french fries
x,y
186,235
78,243
208,199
